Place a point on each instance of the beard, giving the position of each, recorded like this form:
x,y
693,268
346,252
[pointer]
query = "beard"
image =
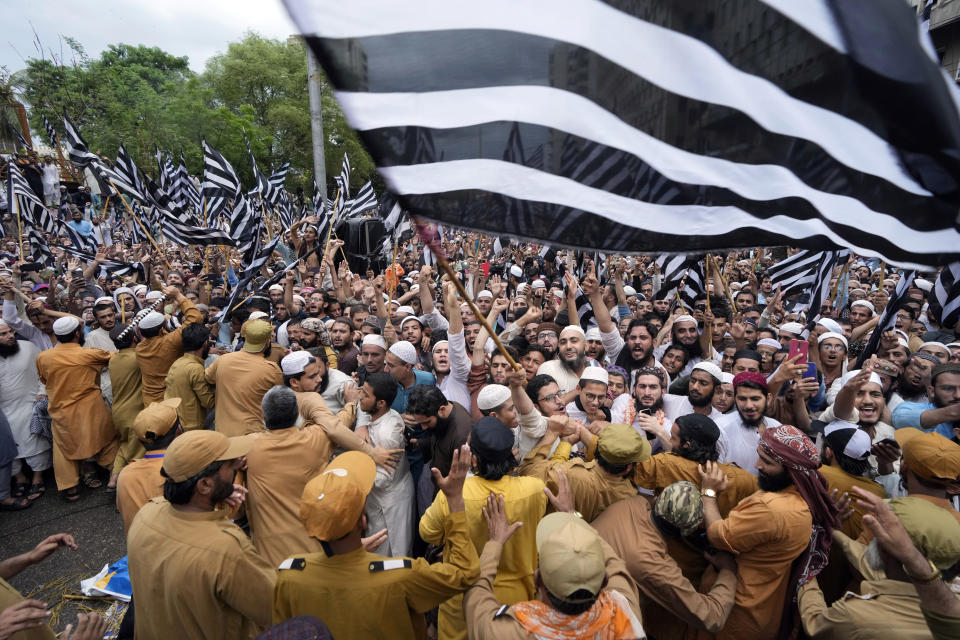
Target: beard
x,y
81,339
751,423
8,350
206,351
221,491
575,365
307,343
907,389
324,381
699,402
656,405
774,483
694,348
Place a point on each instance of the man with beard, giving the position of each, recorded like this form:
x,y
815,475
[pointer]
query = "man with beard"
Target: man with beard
x,y
105,313
861,311
741,431
127,385
341,338
943,413
38,330
186,379
373,350
631,353
242,378
914,381
450,362
159,347
594,346
846,449
683,330
703,383
548,338
587,406
860,401
313,335
411,330
194,573
929,470
21,388
770,532
337,388
82,424
643,410
570,363
536,402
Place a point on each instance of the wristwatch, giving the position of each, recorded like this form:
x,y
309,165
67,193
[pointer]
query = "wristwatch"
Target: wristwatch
x,y
933,577
708,493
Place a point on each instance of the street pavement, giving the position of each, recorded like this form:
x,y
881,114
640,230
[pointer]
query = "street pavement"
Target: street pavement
x,y
95,525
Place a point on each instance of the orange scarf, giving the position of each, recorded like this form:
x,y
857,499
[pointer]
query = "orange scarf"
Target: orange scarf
x,y
610,618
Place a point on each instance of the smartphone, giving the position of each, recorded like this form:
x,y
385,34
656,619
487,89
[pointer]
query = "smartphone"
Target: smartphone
x,y
801,347
891,442
485,268
33,266
811,371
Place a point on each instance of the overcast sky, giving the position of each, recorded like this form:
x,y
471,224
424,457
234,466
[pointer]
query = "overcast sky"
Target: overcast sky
x,y
197,29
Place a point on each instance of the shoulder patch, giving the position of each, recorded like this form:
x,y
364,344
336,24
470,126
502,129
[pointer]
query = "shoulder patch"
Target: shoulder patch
x,y
299,564
502,611
388,565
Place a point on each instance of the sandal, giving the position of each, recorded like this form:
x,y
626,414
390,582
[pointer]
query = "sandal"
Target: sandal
x,y
18,490
90,480
16,505
71,495
36,491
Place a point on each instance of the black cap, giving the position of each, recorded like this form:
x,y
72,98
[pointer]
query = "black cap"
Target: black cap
x,y
700,428
491,440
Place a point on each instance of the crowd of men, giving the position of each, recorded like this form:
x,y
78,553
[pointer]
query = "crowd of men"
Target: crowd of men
x,y
354,455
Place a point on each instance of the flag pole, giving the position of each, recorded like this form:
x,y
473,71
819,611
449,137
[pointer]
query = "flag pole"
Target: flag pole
x,y
19,223
683,282
706,278
103,213
163,256
396,278
326,246
723,281
445,266
836,285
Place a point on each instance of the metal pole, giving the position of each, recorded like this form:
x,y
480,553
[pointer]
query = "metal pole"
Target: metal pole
x,y
316,123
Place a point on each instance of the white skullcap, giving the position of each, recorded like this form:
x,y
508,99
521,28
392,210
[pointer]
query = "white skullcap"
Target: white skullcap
x,y
792,327
138,289
256,315
830,325
629,291
415,288
935,345
484,294
593,333
953,344
406,310
735,286
769,342
516,271
573,328
863,303
923,285
522,287
874,377
374,340
903,342
440,342
858,446
151,320
726,378
409,318
492,396
295,362
595,374
710,368
413,274
405,351
836,336
275,287
104,300
890,280
298,298
65,326
685,318
153,295
538,284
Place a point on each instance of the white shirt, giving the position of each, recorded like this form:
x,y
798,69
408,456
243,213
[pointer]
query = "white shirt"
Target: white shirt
x,y
675,406
567,380
333,394
738,443
454,384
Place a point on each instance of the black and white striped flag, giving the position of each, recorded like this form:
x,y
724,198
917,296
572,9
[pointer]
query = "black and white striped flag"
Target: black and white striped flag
x,y
24,144
818,293
681,269
77,148
128,171
264,187
946,291
278,178
888,317
51,132
186,191
177,225
797,273
107,267
366,200
220,181
343,180
23,200
78,240
683,137
319,199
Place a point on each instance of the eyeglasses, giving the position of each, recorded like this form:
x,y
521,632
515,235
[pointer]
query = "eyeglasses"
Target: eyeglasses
x,y
700,307
547,334
550,398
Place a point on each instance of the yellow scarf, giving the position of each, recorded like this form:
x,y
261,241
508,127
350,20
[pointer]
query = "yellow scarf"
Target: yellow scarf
x,y
610,618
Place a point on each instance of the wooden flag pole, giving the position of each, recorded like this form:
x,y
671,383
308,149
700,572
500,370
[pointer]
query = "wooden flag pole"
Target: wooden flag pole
x,y
836,285
103,214
163,256
723,281
326,246
445,266
706,278
16,203
393,285
683,282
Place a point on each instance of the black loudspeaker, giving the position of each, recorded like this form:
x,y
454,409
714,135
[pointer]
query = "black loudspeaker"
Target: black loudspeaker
x,y
361,236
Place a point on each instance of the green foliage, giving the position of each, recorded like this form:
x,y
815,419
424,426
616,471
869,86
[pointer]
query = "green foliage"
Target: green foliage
x,y
143,96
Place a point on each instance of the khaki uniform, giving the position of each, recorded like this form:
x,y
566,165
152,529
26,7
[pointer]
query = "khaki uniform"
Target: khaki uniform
x,y
483,610
156,354
662,470
195,575
242,379
186,380
9,597
593,488
279,465
358,596
127,404
668,600
82,424
139,483
524,501
884,609
313,408
839,479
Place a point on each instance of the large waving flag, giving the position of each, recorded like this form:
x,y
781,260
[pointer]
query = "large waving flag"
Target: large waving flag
x,y
651,127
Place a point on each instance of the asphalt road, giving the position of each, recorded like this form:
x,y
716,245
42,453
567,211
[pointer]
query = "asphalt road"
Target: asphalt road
x,y
96,526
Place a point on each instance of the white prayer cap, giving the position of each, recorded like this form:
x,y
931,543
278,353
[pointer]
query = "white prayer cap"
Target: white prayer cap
x,y
864,303
153,295
406,310
595,374
104,300
411,318
735,286
255,315
830,325
516,271
440,342
484,294
374,340
140,288
934,346
858,444
710,368
522,287
413,274
538,284
629,291
298,298
953,344
792,327
769,342
874,378
593,333
726,378
151,320
684,318
923,285
836,336
492,396
393,303
65,326
890,280
275,287
405,351
415,288
295,362
573,328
